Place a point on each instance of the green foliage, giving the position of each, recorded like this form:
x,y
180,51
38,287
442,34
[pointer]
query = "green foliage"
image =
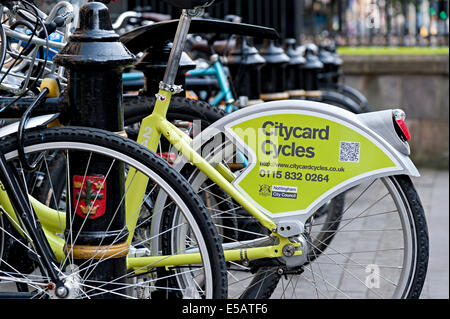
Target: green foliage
x,y
393,50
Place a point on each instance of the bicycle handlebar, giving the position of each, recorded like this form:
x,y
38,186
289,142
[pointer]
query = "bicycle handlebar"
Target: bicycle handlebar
x,y
148,16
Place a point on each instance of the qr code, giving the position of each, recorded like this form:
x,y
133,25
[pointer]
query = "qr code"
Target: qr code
x,y
349,152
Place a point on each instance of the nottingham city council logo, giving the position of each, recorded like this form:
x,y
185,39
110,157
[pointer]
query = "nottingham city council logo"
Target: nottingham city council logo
x,y
265,190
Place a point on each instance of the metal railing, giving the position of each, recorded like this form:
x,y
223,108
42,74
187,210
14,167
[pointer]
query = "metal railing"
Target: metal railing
x,y
353,22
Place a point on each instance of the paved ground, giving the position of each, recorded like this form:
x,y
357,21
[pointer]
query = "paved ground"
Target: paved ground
x,y
433,187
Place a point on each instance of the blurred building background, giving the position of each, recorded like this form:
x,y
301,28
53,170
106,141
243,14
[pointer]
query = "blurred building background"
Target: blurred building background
x,y
353,22
395,52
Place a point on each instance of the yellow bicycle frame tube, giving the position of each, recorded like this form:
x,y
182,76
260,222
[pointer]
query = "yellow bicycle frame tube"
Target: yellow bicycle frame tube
x,y
156,124
52,221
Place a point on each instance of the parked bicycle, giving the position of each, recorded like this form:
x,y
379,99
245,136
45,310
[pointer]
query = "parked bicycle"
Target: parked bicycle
x,y
289,246
90,237
303,155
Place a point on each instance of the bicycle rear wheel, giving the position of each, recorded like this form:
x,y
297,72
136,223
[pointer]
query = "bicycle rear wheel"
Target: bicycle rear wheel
x,y
373,244
380,249
21,273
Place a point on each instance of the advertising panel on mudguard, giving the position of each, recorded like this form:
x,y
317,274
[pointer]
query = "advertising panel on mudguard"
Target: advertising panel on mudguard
x,y
297,159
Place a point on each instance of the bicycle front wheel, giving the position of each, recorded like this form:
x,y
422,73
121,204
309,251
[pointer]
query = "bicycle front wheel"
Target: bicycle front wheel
x,y
175,272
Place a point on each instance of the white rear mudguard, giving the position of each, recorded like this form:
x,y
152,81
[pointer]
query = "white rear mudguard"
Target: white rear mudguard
x,y
38,121
303,153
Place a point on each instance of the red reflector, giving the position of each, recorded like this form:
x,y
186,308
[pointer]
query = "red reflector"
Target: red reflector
x,y
402,124
169,157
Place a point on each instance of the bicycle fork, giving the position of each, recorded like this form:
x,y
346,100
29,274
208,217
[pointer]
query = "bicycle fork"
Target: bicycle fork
x,y
17,195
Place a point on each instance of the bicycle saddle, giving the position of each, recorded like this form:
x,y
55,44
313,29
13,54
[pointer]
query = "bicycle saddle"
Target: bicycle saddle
x,y
220,47
190,4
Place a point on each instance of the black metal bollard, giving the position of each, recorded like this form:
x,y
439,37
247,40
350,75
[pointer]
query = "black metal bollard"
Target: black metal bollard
x,y
274,72
336,65
332,63
94,59
294,70
327,60
311,71
245,65
154,63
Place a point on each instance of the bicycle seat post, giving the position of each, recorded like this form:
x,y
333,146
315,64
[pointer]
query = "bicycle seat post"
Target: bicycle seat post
x,y
177,49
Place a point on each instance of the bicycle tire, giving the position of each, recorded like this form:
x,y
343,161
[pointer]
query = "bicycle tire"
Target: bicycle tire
x,y
340,100
351,93
162,176
181,108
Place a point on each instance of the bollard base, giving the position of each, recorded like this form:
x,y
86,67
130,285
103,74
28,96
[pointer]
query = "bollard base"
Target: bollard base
x,y
313,94
295,94
267,97
97,252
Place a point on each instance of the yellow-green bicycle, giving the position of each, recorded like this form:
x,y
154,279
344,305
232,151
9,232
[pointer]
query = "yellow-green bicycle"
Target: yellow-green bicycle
x,y
303,157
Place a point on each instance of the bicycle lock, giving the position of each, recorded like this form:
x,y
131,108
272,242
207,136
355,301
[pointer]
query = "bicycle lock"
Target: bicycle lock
x,y
94,59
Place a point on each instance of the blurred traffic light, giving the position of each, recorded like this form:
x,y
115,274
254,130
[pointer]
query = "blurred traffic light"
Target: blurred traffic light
x,y
443,9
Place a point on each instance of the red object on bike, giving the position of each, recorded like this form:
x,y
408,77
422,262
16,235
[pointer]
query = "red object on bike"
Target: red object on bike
x,y
400,117
169,157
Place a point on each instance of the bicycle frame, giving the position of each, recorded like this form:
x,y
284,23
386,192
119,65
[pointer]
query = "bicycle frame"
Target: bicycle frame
x,y
156,125
51,219
9,184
